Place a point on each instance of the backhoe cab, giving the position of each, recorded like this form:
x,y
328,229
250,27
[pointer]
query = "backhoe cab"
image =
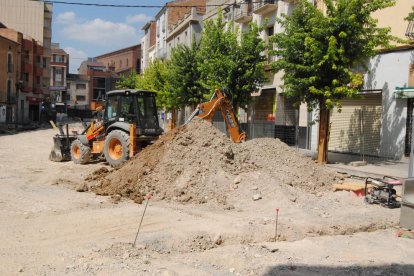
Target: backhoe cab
x,y
129,123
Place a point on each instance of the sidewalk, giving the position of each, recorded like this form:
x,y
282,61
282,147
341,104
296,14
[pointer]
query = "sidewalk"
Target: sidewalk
x,y
374,167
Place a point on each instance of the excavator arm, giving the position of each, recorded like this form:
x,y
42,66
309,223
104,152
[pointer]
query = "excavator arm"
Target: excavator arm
x,y
207,110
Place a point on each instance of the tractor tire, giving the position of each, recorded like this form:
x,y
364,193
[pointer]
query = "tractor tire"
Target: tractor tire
x,y
80,153
116,148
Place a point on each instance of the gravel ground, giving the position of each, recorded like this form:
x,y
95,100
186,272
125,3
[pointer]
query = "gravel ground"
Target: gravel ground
x,y
50,229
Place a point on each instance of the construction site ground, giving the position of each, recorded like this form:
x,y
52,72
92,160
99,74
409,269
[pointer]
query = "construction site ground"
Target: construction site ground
x,y
48,228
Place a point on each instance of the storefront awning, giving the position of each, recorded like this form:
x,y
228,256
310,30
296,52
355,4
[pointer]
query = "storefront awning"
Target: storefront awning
x,y
404,92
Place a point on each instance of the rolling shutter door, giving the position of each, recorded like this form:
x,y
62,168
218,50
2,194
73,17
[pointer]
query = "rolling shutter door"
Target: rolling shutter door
x,y
357,128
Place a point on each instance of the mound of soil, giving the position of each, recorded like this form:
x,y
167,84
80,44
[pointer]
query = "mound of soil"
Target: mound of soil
x,y
197,163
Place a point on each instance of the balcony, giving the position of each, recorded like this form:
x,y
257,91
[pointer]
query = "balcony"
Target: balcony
x,y
243,14
264,6
409,33
27,68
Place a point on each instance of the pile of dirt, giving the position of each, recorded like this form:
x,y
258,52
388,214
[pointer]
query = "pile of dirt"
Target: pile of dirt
x,y
197,163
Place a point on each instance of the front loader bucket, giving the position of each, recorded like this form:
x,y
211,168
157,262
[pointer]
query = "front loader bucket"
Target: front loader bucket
x,y
61,148
55,155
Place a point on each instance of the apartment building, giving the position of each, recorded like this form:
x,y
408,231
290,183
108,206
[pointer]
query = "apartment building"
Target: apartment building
x,y
28,86
148,44
391,79
185,29
9,78
123,61
176,23
100,80
59,68
78,92
33,19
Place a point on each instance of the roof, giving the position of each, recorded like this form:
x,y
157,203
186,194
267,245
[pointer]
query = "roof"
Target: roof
x,y
119,51
129,91
58,51
10,40
77,77
147,25
93,63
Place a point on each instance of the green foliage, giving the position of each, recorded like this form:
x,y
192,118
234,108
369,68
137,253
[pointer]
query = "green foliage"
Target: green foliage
x,y
184,77
224,62
410,16
155,78
318,51
220,61
126,82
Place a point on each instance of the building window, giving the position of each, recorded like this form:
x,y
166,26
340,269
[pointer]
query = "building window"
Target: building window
x,y
80,98
80,86
120,64
44,62
38,80
270,31
127,62
68,85
9,63
58,58
58,76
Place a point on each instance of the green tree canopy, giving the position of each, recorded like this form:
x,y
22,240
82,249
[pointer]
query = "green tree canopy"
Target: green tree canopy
x,y
128,81
226,63
184,76
318,51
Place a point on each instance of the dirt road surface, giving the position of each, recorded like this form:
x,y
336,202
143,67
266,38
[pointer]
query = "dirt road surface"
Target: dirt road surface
x,y
47,228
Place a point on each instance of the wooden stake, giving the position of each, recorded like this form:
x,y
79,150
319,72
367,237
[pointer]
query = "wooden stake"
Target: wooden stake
x,y
142,218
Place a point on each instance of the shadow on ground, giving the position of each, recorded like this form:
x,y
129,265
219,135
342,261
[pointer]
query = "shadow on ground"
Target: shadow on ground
x,y
392,269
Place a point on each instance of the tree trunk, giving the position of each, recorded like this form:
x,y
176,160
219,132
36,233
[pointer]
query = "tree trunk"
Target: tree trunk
x,y
323,133
173,118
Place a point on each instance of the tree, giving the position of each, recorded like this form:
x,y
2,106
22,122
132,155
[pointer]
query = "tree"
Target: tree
x,y
154,78
318,52
225,63
184,77
126,82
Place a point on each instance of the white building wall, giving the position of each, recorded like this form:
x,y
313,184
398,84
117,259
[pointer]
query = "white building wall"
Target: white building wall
x,y
387,71
160,42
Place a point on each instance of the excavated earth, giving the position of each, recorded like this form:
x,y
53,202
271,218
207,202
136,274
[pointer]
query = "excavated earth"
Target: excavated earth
x,y
198,164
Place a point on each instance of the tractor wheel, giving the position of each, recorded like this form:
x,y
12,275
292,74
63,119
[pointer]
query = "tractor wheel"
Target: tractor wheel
x,y
116,148
80,153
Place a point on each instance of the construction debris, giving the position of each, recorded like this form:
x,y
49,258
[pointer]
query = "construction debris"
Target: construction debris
x,y
197,163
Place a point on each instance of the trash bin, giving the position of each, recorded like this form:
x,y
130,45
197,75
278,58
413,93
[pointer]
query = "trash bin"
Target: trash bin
x,y
407,204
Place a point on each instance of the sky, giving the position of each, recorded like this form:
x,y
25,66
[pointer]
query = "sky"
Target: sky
x,y
89,31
